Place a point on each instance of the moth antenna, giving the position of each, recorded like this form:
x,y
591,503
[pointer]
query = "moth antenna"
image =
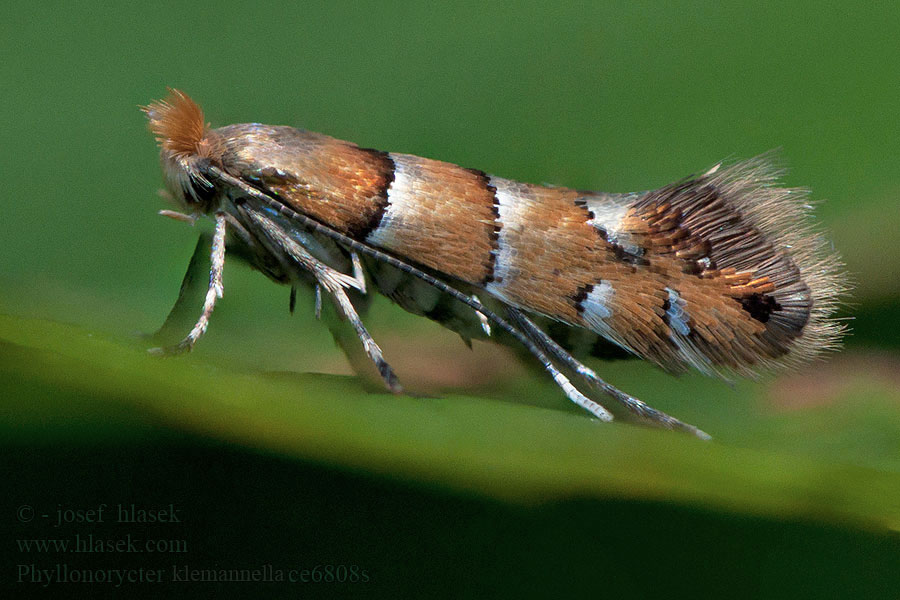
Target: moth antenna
x,y
647,413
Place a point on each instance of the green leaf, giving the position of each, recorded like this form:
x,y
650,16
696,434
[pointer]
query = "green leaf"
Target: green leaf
x,y
781,465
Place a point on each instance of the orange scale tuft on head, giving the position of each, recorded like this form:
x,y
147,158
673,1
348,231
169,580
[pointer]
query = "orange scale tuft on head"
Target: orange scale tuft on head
x,y
177,122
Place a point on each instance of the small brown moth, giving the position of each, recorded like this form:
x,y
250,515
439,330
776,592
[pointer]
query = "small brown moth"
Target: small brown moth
x,y
721,272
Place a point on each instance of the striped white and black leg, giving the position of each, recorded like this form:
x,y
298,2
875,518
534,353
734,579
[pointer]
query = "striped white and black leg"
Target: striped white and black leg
x,y
181,316
333,282
635,406
572,393
369,345
213,293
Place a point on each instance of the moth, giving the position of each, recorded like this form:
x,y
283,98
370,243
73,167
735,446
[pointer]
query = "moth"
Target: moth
x,y
721,272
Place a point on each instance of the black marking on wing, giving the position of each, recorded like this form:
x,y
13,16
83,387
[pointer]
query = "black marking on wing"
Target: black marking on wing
x,y
382,200
621,253
760,306
581,295
495,231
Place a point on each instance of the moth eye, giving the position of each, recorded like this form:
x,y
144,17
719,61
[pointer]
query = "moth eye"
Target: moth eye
x,y
200,190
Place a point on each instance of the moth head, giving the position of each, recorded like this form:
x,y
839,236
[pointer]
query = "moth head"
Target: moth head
x,y
187,148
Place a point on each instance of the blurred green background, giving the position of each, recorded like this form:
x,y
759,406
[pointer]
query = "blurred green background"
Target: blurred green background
x,y
488,482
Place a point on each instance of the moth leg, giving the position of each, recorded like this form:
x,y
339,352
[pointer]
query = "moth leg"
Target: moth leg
x,y
181,316
572,393
334,282
485,324
213,293
358,273
369,345
195,280
179,216
634,405
318,308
